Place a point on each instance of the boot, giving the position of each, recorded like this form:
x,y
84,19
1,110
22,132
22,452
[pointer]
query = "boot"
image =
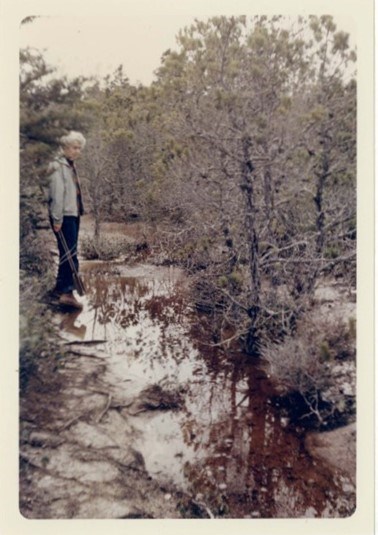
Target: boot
x,y
70,301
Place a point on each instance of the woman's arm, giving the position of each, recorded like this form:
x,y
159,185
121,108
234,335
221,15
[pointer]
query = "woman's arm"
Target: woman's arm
x,y
56,196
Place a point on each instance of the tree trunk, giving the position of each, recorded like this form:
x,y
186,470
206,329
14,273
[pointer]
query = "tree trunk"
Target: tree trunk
x,y
246,186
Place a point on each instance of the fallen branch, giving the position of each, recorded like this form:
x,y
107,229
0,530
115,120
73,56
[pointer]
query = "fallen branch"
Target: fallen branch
x,y
79,354
85,342
116,405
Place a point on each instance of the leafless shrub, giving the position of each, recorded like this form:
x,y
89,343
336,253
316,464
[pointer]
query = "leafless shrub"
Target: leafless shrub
x,y
306,364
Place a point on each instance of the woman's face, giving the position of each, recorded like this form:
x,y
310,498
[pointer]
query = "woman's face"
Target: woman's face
x,y
72,151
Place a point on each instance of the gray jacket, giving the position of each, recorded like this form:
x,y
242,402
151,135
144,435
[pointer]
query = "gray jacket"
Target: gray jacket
x,y
62,196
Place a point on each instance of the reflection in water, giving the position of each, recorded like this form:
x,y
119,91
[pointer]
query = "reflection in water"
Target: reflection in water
x,y
227,445
69,324
246,460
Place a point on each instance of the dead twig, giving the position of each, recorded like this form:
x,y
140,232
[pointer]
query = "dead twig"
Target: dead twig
x,y
84,342
80,354
72,421
204,506
97,391
243,399
108,403
117,405
223,342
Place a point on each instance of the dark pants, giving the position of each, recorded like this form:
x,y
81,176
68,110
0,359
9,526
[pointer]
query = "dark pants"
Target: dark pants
x,y
70,230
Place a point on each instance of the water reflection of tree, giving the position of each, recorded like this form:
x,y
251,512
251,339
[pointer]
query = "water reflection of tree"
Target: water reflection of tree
x,y
246,460
116,302
144,318
121,300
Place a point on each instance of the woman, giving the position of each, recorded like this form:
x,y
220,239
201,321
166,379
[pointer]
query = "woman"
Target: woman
x,y
65,209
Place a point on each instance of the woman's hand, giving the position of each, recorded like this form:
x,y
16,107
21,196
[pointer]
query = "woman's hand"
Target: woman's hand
x,y
57,227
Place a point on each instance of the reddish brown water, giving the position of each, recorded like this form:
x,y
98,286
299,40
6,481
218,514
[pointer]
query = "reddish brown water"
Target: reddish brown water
x,y
227,445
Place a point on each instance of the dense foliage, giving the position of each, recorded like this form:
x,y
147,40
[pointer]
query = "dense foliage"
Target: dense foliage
x,y
245,146
243,151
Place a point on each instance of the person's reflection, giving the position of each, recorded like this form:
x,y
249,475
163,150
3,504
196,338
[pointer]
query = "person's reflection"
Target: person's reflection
x,y
68,324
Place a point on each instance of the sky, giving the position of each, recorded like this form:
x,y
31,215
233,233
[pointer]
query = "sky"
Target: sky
x,y
95,45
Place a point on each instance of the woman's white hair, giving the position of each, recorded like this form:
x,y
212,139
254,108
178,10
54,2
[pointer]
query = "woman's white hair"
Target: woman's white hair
x,y
71,138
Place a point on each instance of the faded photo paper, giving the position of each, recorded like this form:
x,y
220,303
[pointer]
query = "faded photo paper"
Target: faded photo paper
x,y
188,274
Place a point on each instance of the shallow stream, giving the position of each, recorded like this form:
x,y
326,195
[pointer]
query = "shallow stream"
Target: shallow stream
x,y
220,438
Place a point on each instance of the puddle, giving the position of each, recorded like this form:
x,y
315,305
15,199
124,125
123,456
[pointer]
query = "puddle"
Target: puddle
x,y
226,444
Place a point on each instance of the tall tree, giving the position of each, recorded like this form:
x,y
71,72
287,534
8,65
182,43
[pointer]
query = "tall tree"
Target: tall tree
x,y
240,101
48,107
